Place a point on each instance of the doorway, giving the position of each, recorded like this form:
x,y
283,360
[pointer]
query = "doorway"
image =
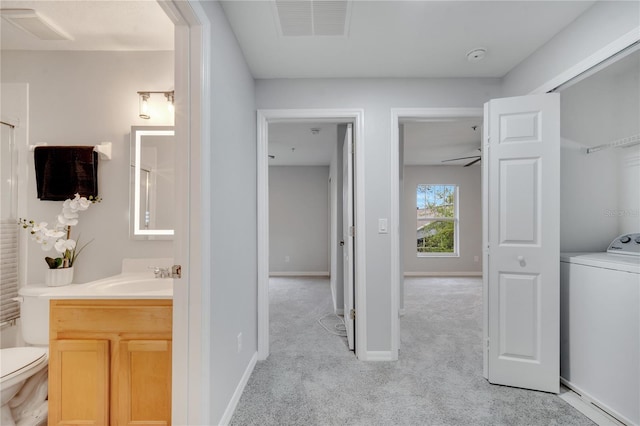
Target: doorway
x,y
273,117
424,116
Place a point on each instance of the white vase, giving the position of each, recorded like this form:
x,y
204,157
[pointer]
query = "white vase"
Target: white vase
x,y
58,277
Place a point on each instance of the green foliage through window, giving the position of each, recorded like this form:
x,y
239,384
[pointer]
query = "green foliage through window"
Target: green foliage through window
x,y
436,218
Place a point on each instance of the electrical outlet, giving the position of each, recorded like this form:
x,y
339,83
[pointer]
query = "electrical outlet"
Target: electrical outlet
x,y
286,259
239,342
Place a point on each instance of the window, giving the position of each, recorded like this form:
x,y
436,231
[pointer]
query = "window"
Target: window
x,y
437,220
9,308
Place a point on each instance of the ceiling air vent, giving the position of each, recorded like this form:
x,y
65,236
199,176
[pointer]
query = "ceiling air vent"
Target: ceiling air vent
x,y
312,17
29,21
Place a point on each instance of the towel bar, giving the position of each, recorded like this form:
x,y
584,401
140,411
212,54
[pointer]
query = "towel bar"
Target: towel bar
x,y
104,149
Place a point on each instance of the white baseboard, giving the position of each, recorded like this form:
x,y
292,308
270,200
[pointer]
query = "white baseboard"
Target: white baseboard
x,y
233,403
339,311
591,407
299,274
443,274
379,356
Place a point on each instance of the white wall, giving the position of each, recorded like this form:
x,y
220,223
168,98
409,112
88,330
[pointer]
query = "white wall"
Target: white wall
x,y
600,25
83,98
600,188
469,184
299,220
233,263
376,97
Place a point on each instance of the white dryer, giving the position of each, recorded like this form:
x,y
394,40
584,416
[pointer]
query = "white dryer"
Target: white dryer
x,y
600,326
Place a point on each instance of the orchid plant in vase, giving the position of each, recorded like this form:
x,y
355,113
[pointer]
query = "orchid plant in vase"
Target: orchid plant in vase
x,y
59,236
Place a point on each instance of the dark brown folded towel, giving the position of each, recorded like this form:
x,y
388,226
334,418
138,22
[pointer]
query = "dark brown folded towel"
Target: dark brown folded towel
x,y
62,171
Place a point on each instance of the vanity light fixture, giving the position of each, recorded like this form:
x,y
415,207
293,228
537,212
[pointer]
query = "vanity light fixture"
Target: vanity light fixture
x,y
144,105
170,101
143,109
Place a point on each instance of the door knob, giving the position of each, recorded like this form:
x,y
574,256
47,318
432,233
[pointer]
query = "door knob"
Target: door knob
x,y
523,262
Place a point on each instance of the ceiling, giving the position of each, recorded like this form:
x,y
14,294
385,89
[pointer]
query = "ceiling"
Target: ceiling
x,y
426,142
401,38
383,38
293,144
431,142
117,25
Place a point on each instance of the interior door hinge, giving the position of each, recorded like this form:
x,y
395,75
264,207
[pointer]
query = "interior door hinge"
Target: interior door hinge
x,y
487,343
352,314
352,231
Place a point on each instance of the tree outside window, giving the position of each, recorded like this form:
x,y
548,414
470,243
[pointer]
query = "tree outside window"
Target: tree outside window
x,y
437,219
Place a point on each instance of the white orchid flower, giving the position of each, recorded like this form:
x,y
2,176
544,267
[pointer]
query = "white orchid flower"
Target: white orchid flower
x,y
56,237
83,203
47,244
70,213
64,245
53,234
79,203
42,226
67,221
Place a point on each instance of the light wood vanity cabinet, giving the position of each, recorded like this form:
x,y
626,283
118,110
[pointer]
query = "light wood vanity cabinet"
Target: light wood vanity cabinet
x,y
110,362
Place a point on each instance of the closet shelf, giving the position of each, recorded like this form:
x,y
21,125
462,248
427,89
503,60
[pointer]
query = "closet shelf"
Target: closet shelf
x,y
619,143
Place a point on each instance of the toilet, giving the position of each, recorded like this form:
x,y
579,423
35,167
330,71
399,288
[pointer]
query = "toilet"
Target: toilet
x,y
23,372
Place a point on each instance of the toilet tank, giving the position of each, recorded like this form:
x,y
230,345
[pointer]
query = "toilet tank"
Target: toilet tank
x,y
34,314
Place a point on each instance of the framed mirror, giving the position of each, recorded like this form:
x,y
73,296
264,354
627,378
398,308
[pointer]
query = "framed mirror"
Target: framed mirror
x,y
152,182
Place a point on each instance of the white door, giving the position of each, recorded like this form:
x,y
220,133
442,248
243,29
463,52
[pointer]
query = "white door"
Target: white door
x,y
522,175
348,234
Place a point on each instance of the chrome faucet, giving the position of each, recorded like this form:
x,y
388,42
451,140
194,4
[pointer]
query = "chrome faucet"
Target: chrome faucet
x,y
161,272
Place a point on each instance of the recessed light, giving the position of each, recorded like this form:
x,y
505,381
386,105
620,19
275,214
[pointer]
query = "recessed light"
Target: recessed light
x,y
476,55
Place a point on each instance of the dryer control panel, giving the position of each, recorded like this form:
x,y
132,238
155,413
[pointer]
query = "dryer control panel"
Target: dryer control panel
x,y
626,244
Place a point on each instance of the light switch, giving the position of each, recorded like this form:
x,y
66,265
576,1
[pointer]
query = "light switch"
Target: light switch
x,y
382,226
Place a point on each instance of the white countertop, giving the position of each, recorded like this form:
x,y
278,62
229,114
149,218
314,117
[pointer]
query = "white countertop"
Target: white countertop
x,y
123,286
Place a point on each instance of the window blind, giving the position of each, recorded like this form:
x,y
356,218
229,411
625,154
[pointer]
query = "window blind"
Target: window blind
x,y
9,309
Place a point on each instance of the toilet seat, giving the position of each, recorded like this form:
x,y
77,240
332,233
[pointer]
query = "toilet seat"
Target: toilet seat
x,y
16,361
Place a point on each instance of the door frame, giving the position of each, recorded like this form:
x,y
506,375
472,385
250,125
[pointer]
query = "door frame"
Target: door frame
x,y
191,377
264,117
398,114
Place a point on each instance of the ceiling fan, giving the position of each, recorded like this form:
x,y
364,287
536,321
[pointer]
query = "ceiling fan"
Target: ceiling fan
x,y
474,158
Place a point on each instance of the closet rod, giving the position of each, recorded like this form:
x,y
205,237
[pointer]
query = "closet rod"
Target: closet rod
x,y
619,143
8,124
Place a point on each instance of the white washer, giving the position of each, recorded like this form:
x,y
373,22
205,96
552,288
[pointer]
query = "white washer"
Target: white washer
x,y
600,326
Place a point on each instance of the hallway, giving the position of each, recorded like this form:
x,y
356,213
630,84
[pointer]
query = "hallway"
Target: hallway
x,y
311,378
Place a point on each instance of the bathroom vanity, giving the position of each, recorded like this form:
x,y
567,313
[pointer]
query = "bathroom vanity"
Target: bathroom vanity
x,y
110,361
